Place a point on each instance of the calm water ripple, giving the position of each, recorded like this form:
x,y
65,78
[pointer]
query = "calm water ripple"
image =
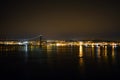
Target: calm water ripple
x,y
59,62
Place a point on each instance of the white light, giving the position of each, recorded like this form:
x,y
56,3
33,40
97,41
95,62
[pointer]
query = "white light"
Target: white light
x,y
25,42
20,43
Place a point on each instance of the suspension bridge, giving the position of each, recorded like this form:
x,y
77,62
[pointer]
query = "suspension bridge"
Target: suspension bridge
x,y
37,40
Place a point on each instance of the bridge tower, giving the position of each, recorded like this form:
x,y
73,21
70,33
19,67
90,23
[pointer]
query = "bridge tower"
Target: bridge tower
x,y
40,37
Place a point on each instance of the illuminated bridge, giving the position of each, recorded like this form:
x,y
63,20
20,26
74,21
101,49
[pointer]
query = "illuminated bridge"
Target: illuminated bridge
x,y
32,41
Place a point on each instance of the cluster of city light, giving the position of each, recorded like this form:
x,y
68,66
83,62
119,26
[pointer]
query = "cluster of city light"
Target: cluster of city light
x,y
61,43
9,42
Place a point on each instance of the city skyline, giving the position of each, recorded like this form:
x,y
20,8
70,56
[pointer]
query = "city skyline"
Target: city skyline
x,y
60,19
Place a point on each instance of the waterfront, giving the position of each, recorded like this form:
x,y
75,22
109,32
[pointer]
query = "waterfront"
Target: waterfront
x,y
59,62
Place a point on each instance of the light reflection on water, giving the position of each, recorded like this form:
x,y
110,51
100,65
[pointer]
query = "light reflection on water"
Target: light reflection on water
x,y
62,60
79,51
54,51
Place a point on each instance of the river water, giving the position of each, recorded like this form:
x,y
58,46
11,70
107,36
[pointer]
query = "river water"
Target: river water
x,y
59,62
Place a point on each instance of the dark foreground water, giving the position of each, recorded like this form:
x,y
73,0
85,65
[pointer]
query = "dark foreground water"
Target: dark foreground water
x,y
59,62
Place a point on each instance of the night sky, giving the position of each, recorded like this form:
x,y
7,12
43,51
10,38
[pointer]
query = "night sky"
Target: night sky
x,y
60,19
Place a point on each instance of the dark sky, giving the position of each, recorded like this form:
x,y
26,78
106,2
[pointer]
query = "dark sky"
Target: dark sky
x,y
60,19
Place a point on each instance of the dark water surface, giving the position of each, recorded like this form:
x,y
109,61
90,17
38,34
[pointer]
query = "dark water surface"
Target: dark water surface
x,y
59,62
